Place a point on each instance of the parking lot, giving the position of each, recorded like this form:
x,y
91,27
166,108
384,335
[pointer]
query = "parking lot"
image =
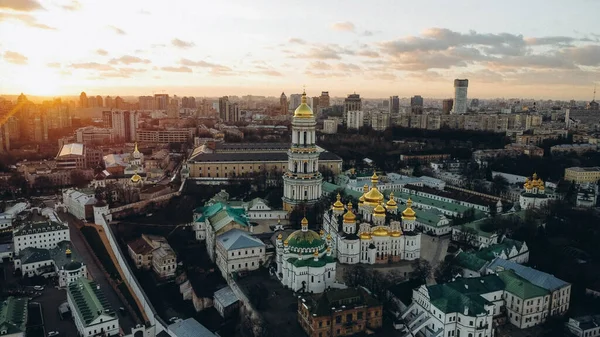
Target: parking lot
x,y
50,299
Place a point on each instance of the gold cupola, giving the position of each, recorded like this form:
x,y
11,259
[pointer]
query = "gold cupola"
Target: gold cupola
x,y
303,110
391,204
361,200
349,217
380,231
379,211
408,213
373,197
338,205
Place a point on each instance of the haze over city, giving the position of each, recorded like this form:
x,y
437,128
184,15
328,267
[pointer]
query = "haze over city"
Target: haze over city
x,y
540,49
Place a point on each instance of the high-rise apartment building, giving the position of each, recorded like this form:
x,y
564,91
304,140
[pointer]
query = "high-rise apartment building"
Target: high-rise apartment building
x,y
4,138
119,103
228,112
188,102
173,109
146,102
352,103
460,96
355,119
394,105
107,119
474,103
109,102
380,121
330,126
92,102
99,101
124,125
161,101
447,105
324,99
295,100
314,104
283,103
83,100
416,104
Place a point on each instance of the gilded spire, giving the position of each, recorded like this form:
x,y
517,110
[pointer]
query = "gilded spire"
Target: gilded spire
x,y
338,205
304,224
374,179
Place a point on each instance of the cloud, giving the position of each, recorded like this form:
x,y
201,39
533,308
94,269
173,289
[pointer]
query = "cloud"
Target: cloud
x,y
347,67
122,72
101,52
26,19
319,65
585,55
144,12
368,53
549,40
117,30
182,44
296,41
15,58
73,5
343,26
53,65
204,64
177,69
367,33
269,73
91,66
20,5
310,73
325,53
128,59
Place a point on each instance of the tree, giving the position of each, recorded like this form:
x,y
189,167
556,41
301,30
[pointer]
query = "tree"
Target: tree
x,y
18,184
499,185
465,235
78,179
421,270
43,183
446,270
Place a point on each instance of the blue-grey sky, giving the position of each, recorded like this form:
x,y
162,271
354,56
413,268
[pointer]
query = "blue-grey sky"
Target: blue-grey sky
x,y
527,48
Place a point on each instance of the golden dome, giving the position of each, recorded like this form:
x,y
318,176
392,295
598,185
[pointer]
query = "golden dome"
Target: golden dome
x,y
304,221
380,231
136,178
379,211
373,197
328,249
316,253
321,232
338,205
392,202
286,242
349,217
365,236
303,110
365,188
328,236
68,251
535,176
408,213
279,236
361,200
374,178
396,234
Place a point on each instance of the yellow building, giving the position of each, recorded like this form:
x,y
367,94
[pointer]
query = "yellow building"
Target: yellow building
x,y
582,174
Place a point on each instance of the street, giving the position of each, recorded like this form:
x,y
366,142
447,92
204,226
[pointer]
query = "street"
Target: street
x,y
95,271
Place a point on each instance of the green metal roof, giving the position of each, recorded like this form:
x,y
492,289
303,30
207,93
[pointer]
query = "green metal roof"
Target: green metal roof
x,y
310,262
520,287
90,303
221,214
469,261
13,315
493,251
308,239
464,293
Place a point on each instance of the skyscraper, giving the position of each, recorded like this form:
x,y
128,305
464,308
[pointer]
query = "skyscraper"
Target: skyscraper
x,y
352,103
283,103
324,99
295,100
460,96
124,125
146,102
83,100
173,109
119,103
223,107
109,102
161,101
107,119
447,105
416,104
314,105
394,105
99,102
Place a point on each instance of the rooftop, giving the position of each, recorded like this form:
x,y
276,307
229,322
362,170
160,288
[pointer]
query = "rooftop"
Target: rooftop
x,y
281,156
71,149
520,287
585,169
221,214
539,278
89,301
226,296
140,246
326,303
190,328
238,239
39,227
464,293
13,315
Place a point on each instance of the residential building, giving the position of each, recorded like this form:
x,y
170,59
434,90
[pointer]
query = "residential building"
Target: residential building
x,y
80,203
238,250
8,217
330,126
45,233
165,136
339,312
164,261
352,103
380,121
582,175
394,105
71,157
304,261
146,102
190,328
584,326
161,101
107,117
460,96
109,102
13,316
324,99
302,179
283,103
83,100
92,135
416,105
355,119
90,309
124,125
577,148
173,109
226,302
140,252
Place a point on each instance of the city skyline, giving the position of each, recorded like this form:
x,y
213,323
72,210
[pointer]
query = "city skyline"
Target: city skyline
x,y
211,49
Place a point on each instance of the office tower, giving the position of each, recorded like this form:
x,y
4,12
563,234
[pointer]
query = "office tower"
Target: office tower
x,y
416,104
460,96
119,103
394,105
447,105
283,103
124,126
161,101
83,101
99,101
295,100
146,102
352,103
324,99
355,119
173,109
109,102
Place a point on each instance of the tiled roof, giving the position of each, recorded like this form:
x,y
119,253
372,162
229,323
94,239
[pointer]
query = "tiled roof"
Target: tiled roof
x,y
469,261
324,304
238,239
464,293
539,278
190,328
39,227
520,287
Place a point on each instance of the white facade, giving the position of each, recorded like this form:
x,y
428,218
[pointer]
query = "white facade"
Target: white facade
x,y
380,121
79,202
355,119
91,312
9,215
460,96
586,326
302,180
45,235
238,250
534,195
164,261
330,126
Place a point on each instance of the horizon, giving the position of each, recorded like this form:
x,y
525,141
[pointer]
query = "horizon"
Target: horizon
x,y
63,47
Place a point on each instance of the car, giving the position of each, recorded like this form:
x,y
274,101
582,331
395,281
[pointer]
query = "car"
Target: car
x,y
38,287
173,319
53,333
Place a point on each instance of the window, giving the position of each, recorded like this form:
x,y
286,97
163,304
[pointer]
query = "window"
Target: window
x,y
359,315
348,318
338,320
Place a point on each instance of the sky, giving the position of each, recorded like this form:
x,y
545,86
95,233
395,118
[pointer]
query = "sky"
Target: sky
x,y
547,49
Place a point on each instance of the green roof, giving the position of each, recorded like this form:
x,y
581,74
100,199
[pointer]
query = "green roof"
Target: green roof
x,y
89,300
469,261
13,315
476,225
309,239
221,214
520,287
464,293
310,262
493,251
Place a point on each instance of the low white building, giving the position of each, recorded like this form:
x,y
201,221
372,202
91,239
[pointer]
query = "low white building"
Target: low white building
x,y
584,326
80,203
164,261
91,311
43,234
10,214
330,126
238,250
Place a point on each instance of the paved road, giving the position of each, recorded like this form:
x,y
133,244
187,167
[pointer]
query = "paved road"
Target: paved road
x,y
77,240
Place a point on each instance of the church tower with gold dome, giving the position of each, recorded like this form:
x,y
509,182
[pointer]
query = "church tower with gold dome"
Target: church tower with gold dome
x,y
302,179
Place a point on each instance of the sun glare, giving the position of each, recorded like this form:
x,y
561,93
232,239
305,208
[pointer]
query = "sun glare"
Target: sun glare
x,y
40,82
